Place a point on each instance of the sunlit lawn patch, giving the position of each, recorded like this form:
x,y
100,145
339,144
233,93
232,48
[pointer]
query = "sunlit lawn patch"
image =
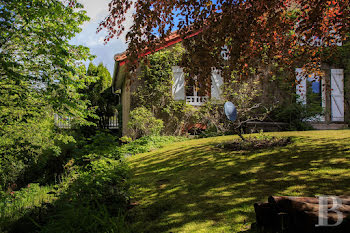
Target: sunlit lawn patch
x,y
195,186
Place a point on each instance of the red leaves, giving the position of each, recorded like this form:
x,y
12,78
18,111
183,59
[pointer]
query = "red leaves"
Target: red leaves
x,y
255,30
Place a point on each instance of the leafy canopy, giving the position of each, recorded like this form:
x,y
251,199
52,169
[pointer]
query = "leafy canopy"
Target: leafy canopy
x,y
283,31
100,95
35,52
40,74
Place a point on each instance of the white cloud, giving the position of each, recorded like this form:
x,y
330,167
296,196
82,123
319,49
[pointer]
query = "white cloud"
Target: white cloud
x,y
97,10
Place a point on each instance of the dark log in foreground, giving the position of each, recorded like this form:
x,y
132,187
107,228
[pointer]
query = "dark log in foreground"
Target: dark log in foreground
x,y
298,204
301,215
313,200
266,216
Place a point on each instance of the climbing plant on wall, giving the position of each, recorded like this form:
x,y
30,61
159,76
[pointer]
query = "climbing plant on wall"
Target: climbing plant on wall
x,y
155,90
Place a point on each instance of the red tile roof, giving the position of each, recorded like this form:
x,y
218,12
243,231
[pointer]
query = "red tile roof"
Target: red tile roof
x,y
172,39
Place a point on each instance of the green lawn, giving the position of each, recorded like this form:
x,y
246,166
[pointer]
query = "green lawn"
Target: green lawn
x,y
194,186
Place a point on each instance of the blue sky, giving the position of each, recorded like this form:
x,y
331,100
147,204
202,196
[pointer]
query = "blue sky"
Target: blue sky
x,y
97,10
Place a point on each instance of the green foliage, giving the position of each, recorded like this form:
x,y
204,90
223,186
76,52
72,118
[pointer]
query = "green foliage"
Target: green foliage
x,y
26,147
100,95
145,144
212,114
295,115
14,205
95,199
101,143
91,196
143,123
154,91
125,139
46,64
41,74
85,218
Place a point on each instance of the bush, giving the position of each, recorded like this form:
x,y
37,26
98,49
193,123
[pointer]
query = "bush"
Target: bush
x,y
26,148
143,123
101,143
125,139
94,199
91,195
145,144
15,206
154,91
256,142
295,115
82,218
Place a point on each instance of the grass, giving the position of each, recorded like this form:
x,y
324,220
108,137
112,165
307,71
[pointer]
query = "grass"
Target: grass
x,y
146,144
194,186
16,205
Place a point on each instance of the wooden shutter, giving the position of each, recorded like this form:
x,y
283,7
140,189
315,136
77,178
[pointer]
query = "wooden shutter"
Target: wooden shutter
x,y
337,94
178,83
301,87
216,84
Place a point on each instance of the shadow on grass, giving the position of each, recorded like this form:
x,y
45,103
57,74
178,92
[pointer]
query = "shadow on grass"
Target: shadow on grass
x,y
198,187
91,200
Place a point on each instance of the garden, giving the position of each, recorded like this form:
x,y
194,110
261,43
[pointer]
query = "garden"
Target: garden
x,y
66,166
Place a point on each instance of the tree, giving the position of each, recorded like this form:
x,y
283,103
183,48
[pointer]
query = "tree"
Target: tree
x,y
100,95
35,50
40,74
256,33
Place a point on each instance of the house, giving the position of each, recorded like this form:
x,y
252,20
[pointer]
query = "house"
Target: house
x,y
328,92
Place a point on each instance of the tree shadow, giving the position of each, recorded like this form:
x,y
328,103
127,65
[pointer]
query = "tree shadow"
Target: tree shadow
x,y
190,185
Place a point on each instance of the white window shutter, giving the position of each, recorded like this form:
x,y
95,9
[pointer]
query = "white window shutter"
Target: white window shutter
x,y
225,53
337,95
216,84
178,83
301,87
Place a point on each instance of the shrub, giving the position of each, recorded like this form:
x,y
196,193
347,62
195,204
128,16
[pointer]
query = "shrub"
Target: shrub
x,y
101,143
91,195
26,148
80,218
143,123
256,142
295,114
95,199
15,205
100,96
145,144
125,139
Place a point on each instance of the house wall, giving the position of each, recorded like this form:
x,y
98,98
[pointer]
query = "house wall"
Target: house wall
x,y
130,85
274,91
126,96
327,79
135,83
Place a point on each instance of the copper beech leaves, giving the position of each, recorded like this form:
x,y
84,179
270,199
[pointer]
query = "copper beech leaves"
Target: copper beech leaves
x,y
257,33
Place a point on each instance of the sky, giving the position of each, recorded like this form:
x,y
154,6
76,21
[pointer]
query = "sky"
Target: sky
x,y
97,10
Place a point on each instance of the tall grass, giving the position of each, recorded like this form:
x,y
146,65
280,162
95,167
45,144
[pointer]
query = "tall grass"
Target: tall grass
x,y
15,205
